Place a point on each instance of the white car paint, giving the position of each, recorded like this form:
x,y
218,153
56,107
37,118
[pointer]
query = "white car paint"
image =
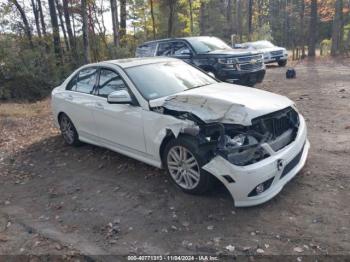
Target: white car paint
x,y
269,57
138,131
222,103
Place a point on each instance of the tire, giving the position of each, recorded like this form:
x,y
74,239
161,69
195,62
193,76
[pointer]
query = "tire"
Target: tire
x,y
68,131
282,63
186,171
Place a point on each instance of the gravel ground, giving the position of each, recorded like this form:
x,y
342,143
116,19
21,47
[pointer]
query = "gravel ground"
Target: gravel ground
x,y
56,199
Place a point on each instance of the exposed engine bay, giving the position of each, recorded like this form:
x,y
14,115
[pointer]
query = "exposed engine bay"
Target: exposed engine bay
x,y
241,145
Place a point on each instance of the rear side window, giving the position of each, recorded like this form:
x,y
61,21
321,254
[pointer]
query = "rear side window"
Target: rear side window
x,y
164,49
86,80
109,81
146,50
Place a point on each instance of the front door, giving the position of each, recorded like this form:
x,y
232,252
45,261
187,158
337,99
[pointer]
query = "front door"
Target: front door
x,y
119,125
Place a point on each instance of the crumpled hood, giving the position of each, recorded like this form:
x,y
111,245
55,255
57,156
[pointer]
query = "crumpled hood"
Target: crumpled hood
x,y
225,103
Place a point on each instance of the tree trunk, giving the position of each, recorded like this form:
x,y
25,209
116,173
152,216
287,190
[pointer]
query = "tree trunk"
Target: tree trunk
x,y
171,4
191,15
73,21
337,28
313,29
43,26
250,19
36,17
229,18
115,22
122,32
69,29
301,29
55,30
60,16
85,29
203,18
153,23
239,20
92,34
27,29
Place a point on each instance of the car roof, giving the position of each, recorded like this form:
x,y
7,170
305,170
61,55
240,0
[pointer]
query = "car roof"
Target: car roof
x,y
175,38
130,62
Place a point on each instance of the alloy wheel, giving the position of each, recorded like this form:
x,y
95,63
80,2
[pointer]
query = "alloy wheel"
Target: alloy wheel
x,y
67,130
183,167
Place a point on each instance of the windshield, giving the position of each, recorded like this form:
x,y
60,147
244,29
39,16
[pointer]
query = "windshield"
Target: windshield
x,y
261,44
206,44
167,78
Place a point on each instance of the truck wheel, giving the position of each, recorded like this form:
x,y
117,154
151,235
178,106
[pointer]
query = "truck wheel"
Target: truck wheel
x,y
282,63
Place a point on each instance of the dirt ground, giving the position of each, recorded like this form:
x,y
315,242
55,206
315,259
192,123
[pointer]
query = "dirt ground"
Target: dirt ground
x,y
56,199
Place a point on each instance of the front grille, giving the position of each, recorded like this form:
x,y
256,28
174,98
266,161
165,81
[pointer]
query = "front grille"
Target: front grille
x,y
276,124
276,53
252,67
248,59
293,163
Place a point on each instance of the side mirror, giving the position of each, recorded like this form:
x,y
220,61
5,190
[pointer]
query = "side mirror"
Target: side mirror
x,y
186,53
119,97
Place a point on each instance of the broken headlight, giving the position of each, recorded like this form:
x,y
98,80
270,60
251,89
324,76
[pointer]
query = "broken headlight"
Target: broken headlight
x,y
242,149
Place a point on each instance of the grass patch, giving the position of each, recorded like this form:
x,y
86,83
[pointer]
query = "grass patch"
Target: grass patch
x,y
24,110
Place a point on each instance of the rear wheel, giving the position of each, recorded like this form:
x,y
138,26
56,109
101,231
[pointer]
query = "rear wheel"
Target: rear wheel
x,y
184,162
282,63
69,133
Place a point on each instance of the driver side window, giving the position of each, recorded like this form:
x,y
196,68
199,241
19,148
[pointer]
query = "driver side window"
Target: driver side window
x,y
179,48
109,82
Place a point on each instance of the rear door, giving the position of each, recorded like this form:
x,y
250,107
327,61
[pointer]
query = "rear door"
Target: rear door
x,y
119,125
79,100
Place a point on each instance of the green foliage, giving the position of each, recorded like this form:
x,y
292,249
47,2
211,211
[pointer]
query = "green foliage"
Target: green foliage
x,y
30,74
325,47
263,32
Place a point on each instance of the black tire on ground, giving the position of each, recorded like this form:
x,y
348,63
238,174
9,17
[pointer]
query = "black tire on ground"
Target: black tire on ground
x,y
206,180
68,131
282,63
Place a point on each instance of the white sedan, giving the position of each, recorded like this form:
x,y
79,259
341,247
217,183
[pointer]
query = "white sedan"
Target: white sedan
x,y
171,115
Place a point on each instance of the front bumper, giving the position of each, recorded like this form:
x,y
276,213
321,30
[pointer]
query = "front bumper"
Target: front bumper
x,y
241,77
245,178
273,59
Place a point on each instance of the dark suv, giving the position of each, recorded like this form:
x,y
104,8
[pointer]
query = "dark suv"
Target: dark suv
x,y
211,55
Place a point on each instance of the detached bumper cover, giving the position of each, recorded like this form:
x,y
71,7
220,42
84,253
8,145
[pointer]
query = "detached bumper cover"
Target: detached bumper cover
x,y
281,167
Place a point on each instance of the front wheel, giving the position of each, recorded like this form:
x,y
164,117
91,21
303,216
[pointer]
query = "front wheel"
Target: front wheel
x,y
184,162
282,63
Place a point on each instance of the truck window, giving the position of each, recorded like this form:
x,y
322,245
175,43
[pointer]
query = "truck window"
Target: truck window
x,y
179,47
164,49
146,50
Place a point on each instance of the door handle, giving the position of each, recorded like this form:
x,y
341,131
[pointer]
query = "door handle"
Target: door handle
x,y
69,97
99,106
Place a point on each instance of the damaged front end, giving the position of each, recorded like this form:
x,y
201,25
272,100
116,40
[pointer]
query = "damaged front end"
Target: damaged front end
x,y
241,145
